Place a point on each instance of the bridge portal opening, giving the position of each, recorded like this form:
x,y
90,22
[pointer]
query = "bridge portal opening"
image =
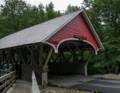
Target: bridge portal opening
x,y
71,59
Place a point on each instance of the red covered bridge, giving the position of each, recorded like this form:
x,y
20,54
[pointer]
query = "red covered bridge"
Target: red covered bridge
x,y
32,48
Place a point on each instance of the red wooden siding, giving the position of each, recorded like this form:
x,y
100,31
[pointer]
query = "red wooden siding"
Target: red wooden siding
x,y
77,27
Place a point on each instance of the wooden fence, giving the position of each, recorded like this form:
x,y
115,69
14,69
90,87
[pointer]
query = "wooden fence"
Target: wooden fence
x,y
6,81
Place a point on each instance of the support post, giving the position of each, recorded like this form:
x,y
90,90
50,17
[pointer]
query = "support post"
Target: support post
x,y
85,69
86,65
40,55
48,58
45,69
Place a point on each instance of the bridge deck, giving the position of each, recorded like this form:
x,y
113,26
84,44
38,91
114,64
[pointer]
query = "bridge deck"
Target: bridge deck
x,y
21,87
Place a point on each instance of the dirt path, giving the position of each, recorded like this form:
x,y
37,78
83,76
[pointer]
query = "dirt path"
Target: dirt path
x,y
20,87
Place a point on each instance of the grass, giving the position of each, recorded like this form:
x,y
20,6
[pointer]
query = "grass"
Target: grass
x,y
63,90
109,76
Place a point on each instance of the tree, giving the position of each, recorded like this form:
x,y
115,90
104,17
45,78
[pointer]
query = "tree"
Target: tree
x,y
105,16
71,9
50,12
11,13
41,13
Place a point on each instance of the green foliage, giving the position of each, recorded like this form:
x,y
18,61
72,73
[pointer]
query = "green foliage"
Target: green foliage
x,y
105,16
62,89
50,13
71,9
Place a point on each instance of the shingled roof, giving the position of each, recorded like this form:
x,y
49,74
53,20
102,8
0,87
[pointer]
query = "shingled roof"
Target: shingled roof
x,y
39,33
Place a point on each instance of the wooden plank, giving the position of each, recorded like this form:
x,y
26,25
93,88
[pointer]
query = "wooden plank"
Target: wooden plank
x,y
47,59
6,89
7,81
40,55
6,76
30,48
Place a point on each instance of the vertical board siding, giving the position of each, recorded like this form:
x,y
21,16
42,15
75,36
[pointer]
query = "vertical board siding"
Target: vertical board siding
x,y
77,27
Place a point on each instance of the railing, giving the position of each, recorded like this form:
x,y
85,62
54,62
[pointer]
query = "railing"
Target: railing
x,y
35,87
6,81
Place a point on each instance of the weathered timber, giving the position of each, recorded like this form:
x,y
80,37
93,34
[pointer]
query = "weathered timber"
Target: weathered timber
x,y
7,81
40,55
47,59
